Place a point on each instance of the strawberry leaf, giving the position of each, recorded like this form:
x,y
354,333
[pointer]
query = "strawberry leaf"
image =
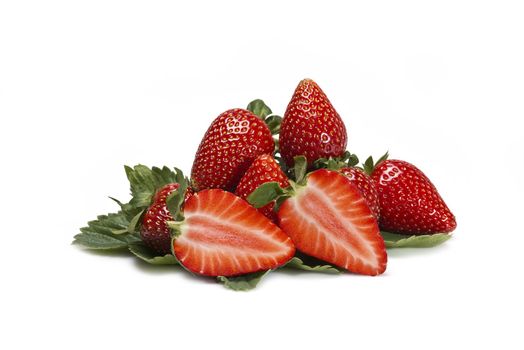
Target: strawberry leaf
x,y
100,233
297,263
265,194
300,169
244,282
259,108
145,182
175,200
144,253
273,123
393,240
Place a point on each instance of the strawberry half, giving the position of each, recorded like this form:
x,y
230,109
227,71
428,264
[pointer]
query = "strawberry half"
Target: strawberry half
x,y
311,126
222,235
409,202
234,139
346,165
327,217
264,169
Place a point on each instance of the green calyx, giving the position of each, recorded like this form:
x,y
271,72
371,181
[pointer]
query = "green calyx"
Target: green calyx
x,y
175,200
347,160
262,111
272,192
369,165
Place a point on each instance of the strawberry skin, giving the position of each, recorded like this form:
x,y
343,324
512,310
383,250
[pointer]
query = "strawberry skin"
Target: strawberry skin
x,y
264,169
329,219
154,230
311,126
409,202
366,186
222,235
234,139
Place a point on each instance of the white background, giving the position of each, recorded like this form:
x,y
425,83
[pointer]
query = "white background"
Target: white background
x,y
88,86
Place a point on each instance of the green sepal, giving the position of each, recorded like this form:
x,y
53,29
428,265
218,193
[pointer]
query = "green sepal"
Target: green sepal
x,y
259,108
175,200
298,264
134,221
244,282
175,227
300,169
265,194
394,240
347,160
273,123
144,253
100,233
369,165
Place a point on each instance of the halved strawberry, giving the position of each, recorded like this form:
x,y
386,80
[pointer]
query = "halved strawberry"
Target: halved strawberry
x,y
264,169
222,235
327,217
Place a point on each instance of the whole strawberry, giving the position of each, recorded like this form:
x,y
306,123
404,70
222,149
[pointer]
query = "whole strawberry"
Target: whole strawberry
x,y
366,186
409,202
154,230
264,169
311,126
234,139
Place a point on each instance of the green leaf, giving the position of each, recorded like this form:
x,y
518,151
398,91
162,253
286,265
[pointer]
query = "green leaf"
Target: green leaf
x,y
134,221
383,158
244,282
369,165
145,182
175,200
297,263
300,169
273,123
144,253
259,108
265,194
100,233
393,240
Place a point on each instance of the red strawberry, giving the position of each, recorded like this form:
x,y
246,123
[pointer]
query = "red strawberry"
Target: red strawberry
x,y
311,126
409,203
232,142
264,169
327,217
366,187
154,230
222,235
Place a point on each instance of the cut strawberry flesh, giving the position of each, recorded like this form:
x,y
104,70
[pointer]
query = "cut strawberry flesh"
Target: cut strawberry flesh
x,y
222,235
330,220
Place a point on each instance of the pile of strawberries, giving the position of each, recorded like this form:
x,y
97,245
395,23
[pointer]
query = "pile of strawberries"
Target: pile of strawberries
x,y
255,203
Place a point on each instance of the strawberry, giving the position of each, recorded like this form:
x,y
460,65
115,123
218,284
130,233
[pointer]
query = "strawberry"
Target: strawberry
x,y
264,169
327,217
222,235
311,126
234,139
366,187
409,202
154,230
